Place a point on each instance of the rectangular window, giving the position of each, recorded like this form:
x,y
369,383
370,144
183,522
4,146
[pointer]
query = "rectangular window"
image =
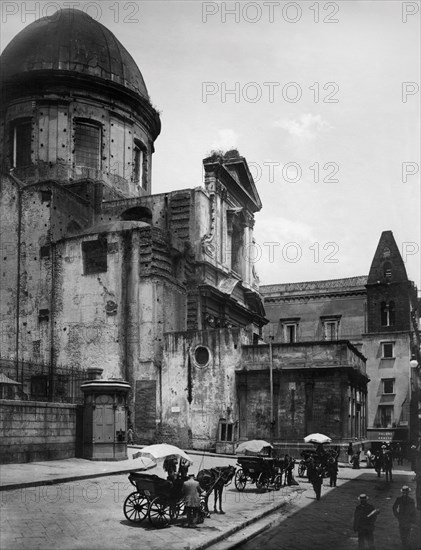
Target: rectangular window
x,y
386,416
43,315
290,333
330,330
21,140
388,385
94,256
226,432
44,252
388,350
87,145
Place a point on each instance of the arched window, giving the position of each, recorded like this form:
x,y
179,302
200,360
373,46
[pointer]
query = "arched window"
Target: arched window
x,y
139,164
387,313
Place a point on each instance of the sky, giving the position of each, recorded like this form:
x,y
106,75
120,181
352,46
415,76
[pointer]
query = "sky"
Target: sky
x,y
321,98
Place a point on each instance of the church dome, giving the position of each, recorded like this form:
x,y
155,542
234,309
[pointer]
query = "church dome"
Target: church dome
x,y
70,41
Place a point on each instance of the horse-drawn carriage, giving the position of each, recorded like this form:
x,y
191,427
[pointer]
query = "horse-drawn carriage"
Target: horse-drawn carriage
x,y
261,470
162,501
313,459
156,498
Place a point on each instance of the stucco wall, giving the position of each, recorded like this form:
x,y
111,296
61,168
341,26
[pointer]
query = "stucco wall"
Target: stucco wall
x,y
195,397
379,368
33,431
309,310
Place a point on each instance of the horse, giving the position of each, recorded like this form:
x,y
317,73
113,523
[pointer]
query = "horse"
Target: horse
x,y
215,479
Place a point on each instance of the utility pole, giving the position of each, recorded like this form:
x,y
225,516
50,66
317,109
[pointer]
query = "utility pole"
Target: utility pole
x,y
272,422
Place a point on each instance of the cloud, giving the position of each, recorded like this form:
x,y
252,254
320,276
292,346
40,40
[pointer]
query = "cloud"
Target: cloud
x,y
227,139
305,128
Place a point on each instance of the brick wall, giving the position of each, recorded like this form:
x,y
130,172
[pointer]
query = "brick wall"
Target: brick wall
x,y
33,431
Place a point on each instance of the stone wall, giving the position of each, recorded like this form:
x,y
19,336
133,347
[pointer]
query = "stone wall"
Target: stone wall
x,y
33,431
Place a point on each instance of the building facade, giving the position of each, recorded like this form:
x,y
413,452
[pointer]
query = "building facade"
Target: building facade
x,y
379,314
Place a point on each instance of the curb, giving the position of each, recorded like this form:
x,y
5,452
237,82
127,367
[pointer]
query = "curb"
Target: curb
x,y
56,481
239,527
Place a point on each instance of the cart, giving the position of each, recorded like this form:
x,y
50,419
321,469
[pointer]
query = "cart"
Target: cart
x,y
156,498
259,470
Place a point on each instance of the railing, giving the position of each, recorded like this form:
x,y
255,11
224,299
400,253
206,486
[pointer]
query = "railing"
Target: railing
x,y
40,382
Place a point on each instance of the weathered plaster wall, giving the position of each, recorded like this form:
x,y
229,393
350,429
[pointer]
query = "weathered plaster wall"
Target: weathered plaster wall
x,y
195,397
9,266
311,387
25,212
33,431
91,310
308,311
379,368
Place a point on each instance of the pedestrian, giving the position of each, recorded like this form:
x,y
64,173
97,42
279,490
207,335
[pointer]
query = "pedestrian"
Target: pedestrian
x,y
350,452
364,519
191,492
315,476
130,435
289,470
387,463
369,458
355,461
332,469
404,511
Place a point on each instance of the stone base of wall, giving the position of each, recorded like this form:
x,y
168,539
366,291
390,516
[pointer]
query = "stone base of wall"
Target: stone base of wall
x,y
34,431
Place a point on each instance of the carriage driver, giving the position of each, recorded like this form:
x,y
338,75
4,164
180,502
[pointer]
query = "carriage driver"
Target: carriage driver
x,y
192,491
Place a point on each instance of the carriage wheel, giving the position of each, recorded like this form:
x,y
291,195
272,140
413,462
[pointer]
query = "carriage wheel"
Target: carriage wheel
x,y
240,480
179,508
277,482
262,481
136,507
159,513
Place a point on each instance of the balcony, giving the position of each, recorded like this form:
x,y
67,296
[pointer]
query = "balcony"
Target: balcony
x,y
304,355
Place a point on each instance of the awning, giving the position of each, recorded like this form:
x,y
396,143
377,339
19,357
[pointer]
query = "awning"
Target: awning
x,y
6,380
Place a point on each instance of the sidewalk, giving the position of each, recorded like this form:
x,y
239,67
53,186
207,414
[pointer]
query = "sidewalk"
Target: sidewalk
x,y
49,472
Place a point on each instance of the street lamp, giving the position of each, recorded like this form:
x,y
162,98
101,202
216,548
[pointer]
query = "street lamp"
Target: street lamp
x,y
413,364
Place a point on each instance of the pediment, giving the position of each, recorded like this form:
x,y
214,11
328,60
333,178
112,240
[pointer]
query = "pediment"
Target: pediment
x,y
232,170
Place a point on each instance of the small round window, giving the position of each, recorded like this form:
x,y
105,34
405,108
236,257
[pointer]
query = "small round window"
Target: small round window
x,y
201,356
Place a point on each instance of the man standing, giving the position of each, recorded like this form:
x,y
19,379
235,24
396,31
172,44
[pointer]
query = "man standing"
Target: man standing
x,y
404,511
332,469
191,491
364,518
315,476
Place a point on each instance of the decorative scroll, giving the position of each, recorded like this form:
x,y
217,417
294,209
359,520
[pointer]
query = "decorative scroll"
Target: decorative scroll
x,y
207,246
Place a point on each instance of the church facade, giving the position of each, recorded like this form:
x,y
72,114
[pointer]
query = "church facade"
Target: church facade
x,y
100,270
157,290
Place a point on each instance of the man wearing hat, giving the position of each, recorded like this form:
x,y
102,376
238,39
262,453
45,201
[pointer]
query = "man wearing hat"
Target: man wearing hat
x,y
404,511
364,518
192,491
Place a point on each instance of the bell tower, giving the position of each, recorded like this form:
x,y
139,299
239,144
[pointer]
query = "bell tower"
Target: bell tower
x,y
388,306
